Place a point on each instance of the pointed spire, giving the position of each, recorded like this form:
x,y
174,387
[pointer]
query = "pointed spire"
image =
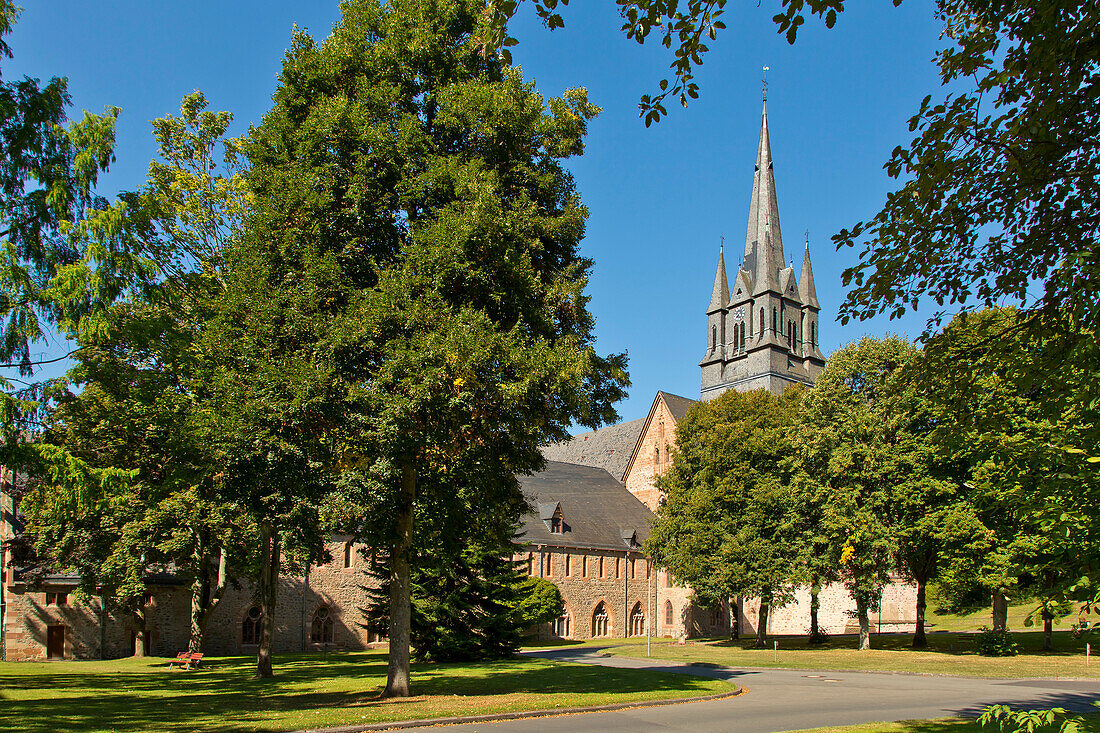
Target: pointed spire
x,y
807,293
764,214
720,295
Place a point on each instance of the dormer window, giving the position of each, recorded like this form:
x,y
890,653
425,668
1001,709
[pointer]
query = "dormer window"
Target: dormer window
x,y
554,518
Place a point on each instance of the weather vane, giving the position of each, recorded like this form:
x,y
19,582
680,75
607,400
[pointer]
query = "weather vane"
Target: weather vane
x,y
807,238
764,80
721,242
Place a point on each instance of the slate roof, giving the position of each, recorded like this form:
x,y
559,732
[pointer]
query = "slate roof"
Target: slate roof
x,y
608,448
597,510
677,405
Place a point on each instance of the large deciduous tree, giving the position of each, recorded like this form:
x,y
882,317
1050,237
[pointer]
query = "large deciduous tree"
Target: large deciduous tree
x,y
867,445
1023,439
130,407
411,275
727,525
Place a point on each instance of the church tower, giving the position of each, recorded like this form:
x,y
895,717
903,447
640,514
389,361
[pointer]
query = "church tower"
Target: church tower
x,y
762,334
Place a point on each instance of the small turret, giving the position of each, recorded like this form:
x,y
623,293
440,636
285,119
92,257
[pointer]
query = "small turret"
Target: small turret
x,y
807,293
720,294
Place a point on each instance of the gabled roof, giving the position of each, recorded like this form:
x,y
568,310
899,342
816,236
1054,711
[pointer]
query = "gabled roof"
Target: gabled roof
x,y
607,448
600,510
676,404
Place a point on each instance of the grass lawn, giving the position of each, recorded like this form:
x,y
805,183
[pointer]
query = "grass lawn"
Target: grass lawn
x,y
144,695
952,653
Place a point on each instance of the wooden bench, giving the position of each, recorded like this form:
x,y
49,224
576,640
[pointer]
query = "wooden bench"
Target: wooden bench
x,y
187,660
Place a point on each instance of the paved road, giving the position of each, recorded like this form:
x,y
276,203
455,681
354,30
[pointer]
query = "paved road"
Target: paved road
x,y
780,700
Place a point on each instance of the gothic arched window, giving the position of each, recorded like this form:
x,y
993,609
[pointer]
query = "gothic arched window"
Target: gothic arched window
x,y
761,321
637,620
813,334
561,625
741,328
320,631
252,626
713,338
601,624
668,613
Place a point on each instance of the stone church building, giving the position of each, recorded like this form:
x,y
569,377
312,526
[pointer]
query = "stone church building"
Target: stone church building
x,y
590,510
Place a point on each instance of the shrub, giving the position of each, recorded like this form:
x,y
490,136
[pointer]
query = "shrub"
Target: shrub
x,y
995,643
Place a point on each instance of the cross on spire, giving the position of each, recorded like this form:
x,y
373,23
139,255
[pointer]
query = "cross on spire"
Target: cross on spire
x,y
764,82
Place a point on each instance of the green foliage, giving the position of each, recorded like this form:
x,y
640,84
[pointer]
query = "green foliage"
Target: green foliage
x,y
52,276
1029,721
1025,432
405,320
995,643
999,188
469,604
688,27
130,404
540,602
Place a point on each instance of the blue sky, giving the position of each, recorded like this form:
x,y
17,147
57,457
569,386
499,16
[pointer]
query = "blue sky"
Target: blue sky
x,y
659,198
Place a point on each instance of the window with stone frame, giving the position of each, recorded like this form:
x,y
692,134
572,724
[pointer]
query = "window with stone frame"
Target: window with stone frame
x,y
617,568
584,566
562,626
548,572
601,622
568,565
637,620
601,566
58,598
321,629
668,613
252,626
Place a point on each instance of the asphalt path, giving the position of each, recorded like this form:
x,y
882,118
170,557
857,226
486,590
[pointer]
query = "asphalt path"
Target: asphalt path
x,y
779,700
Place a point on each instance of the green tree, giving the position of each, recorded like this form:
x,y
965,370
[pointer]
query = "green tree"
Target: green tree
x,y
866,444
1020,437
132,395
412,269
540,602
727,523
53,275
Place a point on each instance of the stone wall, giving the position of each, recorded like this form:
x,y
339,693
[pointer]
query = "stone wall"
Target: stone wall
x,y
836,612
343,590
624,587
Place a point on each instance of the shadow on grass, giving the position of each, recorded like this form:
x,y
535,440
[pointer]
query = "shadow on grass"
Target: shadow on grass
x,y
223,696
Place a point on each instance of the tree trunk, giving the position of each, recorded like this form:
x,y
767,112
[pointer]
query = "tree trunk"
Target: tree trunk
x,y
864,623
141,641
1048,631
269,591
204,599
762,626
815,605
920,641
397,672
1000,610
